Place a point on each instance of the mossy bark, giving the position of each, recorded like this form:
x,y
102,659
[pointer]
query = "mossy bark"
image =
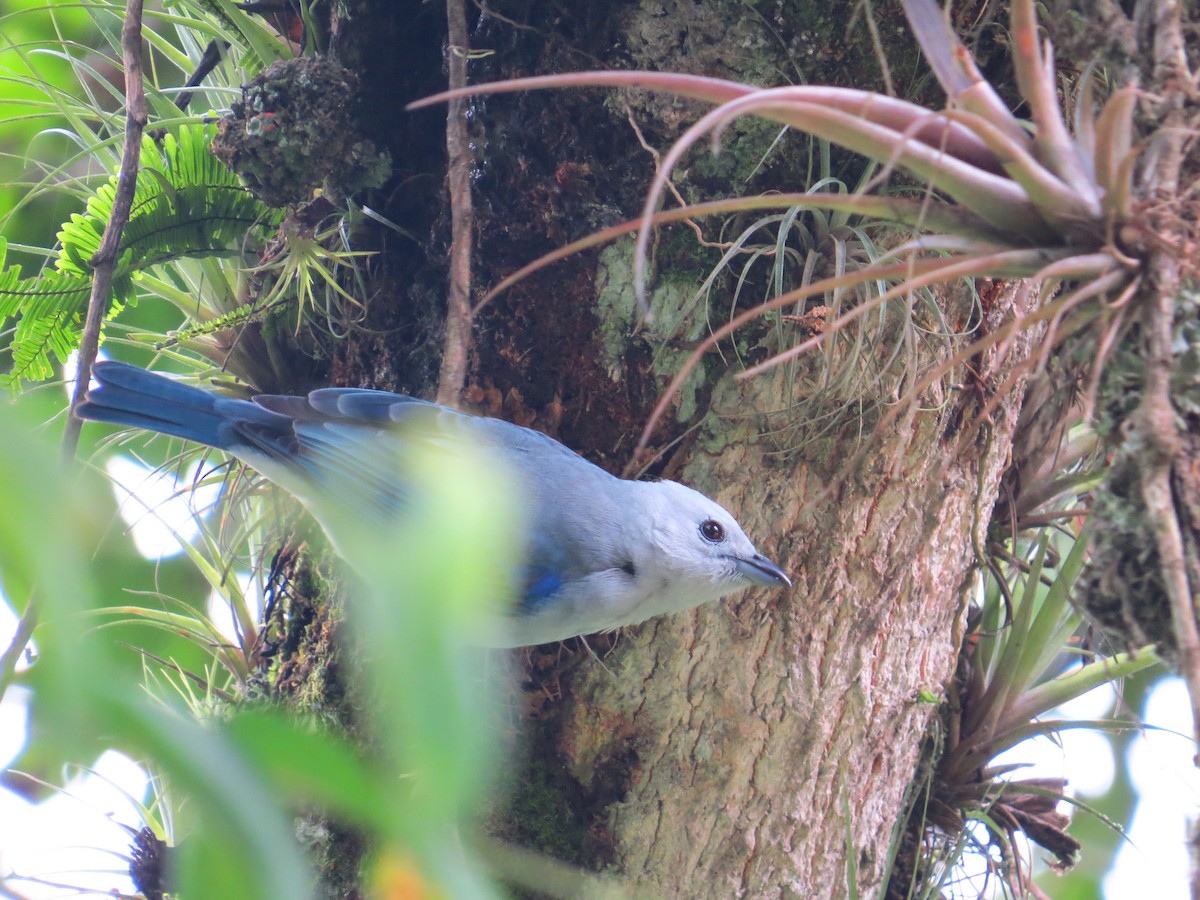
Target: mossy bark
x,y
760,746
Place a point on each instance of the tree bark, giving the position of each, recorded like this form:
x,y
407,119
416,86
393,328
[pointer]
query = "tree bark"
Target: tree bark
x,y
761,746
767,742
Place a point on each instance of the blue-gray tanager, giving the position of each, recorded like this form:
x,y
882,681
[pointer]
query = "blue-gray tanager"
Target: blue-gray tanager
x,y
600,551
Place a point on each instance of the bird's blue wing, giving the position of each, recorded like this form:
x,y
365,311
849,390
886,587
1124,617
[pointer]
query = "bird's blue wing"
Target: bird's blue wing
x,y
355,441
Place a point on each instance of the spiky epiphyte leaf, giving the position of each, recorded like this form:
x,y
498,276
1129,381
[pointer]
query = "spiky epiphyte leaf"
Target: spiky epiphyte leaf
x,y
1017,666
1008,199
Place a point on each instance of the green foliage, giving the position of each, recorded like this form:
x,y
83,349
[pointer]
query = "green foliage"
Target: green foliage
x,y
243,775
50,309
186,204
82,696
233,775
63,132
1017,666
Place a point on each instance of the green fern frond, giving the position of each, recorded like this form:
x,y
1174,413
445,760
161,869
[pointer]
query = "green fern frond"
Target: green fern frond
x,y
50,313
33,342
41,293
51,308
236,318
186,204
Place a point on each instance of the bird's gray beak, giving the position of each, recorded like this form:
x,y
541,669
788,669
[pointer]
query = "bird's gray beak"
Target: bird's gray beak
x,y
759,570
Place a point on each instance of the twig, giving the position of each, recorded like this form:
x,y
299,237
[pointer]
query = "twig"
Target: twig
x,y
209,61
670,185
1156,415
453,373
1157,422
1162,445
877,44
1156,418
105,260
20,639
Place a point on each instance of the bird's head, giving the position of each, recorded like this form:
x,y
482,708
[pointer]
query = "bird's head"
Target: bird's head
x,y
698,541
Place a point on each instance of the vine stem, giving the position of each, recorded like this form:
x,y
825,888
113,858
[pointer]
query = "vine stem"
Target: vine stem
x,y
1157,421
104,262
453,374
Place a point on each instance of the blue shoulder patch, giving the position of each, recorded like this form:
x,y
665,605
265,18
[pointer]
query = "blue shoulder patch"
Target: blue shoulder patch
x,y
540,586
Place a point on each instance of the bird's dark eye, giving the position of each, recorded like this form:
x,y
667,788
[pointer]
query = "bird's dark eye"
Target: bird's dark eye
x,y
712,531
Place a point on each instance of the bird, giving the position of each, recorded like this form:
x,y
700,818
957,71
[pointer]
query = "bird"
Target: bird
x,y
600,551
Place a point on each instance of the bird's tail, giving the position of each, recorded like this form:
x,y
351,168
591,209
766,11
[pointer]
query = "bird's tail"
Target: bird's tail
x,y
126,395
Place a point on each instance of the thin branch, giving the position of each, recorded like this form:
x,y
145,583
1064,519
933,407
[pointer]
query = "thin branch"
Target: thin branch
x,y
1156,418
453,373
1162,446
885,70
20,639
1170,51
105,260
208,62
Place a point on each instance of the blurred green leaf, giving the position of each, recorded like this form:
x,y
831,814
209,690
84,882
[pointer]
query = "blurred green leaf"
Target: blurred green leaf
x,y
311,766
84,702
435,581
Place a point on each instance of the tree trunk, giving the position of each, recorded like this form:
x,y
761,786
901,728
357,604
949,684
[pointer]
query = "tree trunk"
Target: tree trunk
x,y
761,746
764,745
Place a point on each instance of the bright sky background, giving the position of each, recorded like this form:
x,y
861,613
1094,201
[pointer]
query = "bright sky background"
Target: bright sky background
x,y
76,838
